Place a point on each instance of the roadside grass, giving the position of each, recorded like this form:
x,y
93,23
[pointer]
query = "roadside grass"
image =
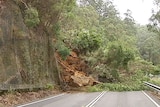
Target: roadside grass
x,y
155,81
130,83
116,87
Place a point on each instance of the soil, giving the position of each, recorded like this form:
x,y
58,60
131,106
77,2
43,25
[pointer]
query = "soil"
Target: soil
x,y
17,98
155,94
74,71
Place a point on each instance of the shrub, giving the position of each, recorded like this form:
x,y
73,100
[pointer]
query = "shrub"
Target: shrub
x,y
86,41
156,70
31,17
110,75
155,81
117,87
63,50
131,83
94,89
119,55
49,86
147,67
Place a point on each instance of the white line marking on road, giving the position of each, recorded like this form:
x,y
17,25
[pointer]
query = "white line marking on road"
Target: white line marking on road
x,y
41,100
151,99
96,99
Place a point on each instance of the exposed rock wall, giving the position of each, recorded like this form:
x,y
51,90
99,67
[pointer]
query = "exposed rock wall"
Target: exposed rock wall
x,y
24,54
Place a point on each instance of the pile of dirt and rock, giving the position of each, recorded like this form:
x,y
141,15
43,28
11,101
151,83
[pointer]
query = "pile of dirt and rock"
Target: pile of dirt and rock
x,y
74,71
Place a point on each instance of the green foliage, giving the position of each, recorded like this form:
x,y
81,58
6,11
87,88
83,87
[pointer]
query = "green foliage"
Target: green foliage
x,y
130,83
79,18
110,74
31,17
69,5
154,22
115,74
146,67
62,50
148,45
87,41
94,89
119,55
139,77
117,87
56,29
49,86
155,81
156,70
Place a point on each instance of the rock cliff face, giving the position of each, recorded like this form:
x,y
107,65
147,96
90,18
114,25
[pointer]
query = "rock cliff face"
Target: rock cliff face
x,y
26,56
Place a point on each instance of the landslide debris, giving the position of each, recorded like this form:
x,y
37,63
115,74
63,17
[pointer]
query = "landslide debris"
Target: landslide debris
x,y
74,71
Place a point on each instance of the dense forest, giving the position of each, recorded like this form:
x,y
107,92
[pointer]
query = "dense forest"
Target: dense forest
x,y
36,36
118,50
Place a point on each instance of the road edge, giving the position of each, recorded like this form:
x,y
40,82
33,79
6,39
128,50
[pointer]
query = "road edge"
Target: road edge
x,y
150,98
41,100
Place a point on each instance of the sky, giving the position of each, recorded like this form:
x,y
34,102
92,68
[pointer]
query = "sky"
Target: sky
x,y
141,9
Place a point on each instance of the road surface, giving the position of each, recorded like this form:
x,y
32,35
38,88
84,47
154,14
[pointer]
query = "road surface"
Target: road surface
x,y
97,99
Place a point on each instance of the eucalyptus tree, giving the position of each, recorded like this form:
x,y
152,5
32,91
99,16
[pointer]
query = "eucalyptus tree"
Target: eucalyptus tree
x,y
129,23
148,45
154,24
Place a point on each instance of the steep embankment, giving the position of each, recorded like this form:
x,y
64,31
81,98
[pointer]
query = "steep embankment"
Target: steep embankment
x,y
26,55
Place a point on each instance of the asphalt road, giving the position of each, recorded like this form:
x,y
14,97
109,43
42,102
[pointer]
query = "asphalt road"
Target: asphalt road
x,y
98,99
